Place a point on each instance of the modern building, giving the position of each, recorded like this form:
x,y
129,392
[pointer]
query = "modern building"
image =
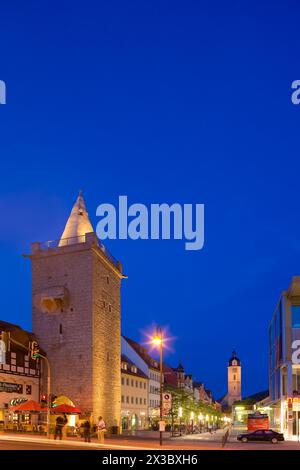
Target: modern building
x,y
134,396
76,316
284,369
140,356
255,403
19,375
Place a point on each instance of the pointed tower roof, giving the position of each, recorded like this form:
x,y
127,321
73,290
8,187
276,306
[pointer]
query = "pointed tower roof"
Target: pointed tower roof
x,y
78,223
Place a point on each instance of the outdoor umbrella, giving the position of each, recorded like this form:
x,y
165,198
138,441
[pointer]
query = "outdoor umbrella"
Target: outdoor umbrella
x,y
31,406
66,409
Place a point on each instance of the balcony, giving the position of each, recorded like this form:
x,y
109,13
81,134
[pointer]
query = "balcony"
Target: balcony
x,y
89,238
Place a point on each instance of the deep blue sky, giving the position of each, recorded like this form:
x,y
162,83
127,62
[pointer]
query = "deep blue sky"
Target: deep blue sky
x,y
162,101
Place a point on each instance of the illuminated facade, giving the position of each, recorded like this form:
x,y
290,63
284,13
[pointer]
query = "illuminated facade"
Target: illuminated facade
x,y
76,317
150,367
19,377
134,396
284,375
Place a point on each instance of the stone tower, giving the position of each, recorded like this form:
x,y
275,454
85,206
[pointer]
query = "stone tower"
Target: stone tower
x,y
234,379
76,316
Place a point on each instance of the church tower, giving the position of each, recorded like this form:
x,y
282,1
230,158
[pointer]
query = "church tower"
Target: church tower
x,y
234,380
76,316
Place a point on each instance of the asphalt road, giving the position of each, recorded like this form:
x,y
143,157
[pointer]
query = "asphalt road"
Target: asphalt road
x,y
21,445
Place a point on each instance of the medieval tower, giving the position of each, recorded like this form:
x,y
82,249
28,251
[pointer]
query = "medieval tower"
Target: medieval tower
x,y
234,380
76,316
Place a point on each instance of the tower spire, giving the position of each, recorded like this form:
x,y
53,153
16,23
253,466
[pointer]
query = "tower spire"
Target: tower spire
x,y
78,223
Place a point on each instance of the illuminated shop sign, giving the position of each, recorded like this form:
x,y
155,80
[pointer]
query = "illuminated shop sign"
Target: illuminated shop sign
x,y
11,387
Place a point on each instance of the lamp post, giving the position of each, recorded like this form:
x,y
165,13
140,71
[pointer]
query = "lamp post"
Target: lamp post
x,y
180,416
158,340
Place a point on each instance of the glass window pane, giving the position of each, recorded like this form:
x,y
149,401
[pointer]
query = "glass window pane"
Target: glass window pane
x,y
296,316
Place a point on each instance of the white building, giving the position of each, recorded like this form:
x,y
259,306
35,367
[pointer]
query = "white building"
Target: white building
x,y
140,356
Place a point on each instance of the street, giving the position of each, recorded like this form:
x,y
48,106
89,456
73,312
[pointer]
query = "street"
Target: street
x,y
15,442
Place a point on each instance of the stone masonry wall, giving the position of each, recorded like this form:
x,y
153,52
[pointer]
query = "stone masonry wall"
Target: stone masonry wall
x,y
70,353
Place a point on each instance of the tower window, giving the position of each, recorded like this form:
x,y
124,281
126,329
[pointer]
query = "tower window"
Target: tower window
x,y
107,279
60,329
234,377
109,308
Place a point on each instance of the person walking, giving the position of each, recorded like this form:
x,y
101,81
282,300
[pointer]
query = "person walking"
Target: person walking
x,y
59,424
87,431
101,428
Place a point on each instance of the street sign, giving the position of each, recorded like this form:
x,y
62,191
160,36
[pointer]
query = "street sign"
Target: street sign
x,y
167,398
167,403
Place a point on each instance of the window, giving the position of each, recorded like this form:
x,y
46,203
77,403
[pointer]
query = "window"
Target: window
x,y
141,401
144,401
123,380
132,382
60,329
136,383
296,316
109,308
234,377
141,385
136,401
127,399
107,279
145,385
20,359
122,399
124,366
132,400
127,381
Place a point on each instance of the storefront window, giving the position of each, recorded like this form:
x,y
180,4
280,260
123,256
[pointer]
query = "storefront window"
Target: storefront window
x,y
296,316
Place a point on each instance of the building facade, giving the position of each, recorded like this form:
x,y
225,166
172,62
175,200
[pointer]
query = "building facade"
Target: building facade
x,y
19,375
150,367
76,317
284,370
134,396
234,372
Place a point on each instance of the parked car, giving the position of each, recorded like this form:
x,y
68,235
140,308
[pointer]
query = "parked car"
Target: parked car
x,y
261,435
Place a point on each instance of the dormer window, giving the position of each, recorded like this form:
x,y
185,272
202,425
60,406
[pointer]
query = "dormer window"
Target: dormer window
x,y
134,369
124,366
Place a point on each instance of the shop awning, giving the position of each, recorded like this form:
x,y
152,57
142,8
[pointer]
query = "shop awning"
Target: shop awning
x,y
66,409
30,406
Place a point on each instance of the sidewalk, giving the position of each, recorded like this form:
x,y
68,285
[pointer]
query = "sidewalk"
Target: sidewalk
x,y
71,441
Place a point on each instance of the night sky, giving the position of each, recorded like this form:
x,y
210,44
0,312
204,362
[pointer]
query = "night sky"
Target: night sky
x,y
165,101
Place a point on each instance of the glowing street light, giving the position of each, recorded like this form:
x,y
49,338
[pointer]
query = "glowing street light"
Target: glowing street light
x,y
157,340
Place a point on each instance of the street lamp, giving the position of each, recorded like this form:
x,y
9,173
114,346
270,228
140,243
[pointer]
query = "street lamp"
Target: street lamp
x,y
158,341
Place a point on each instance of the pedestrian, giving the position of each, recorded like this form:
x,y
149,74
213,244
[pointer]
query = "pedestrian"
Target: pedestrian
x,y
101,429
87,431
59,424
